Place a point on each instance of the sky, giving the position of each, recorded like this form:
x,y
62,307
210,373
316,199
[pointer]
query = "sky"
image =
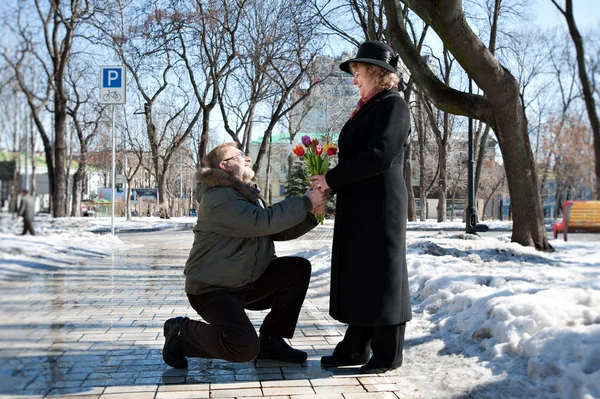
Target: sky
x,y
491,319
587,13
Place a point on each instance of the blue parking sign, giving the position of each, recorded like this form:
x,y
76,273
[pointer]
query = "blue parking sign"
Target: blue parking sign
x,y
113,82
112,78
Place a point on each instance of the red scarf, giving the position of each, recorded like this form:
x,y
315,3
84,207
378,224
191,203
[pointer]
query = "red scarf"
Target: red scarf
x,y
364,100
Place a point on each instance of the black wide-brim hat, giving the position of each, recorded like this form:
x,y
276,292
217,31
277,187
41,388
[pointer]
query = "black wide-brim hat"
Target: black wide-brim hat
x,y
376,53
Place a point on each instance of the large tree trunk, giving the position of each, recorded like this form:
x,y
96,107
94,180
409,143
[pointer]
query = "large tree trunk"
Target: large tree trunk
x,y
60,148
480,157
511,131
78,188
502,107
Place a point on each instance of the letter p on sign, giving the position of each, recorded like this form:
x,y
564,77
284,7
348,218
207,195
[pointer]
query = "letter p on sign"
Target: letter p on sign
x,y
112,78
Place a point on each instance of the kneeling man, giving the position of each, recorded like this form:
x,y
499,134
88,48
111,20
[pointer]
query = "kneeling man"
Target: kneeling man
x,y
232,267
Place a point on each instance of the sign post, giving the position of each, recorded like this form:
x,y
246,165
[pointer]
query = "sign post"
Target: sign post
x,y
112,92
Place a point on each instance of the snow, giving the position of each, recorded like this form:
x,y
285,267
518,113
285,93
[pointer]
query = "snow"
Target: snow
x,y
528,322
491,318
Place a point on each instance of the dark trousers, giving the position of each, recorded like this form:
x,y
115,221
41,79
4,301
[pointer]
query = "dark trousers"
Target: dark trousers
x,y
387,343
28,227
228,333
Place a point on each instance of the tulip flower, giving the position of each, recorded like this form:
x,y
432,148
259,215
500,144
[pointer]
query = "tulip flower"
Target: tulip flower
x,y
298,150
306,141
318,149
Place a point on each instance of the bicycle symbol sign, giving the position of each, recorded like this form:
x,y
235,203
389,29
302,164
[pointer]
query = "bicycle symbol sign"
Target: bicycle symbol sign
x,y
112,85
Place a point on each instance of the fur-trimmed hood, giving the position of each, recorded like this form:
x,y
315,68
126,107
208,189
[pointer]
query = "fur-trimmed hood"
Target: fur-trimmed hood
x,y
219,178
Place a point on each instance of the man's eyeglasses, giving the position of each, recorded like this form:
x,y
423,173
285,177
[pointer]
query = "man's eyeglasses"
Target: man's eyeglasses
x,y
240,155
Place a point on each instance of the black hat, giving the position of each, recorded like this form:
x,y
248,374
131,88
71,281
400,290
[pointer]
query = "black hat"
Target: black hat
x,y
376,53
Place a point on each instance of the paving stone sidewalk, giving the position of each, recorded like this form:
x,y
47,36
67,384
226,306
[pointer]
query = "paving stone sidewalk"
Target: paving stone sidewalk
x,y
93,329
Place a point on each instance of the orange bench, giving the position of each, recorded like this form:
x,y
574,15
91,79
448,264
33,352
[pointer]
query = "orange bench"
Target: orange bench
x,y
578,217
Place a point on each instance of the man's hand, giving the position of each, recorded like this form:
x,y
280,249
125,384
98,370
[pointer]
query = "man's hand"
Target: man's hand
x,y
317,198
319,210
319,183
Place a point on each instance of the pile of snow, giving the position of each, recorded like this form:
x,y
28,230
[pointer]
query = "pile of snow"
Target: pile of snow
x,y
499,300
531,317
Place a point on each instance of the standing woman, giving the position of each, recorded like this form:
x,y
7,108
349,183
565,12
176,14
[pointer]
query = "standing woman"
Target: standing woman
x,y
369,282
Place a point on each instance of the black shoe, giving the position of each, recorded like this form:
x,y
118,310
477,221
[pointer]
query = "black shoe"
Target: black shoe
x,y
354,360
368,369
276,348
172,351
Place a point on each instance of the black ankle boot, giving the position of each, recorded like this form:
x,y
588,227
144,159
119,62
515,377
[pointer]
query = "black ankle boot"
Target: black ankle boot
x,y
353,360
276,348
172,350
374,368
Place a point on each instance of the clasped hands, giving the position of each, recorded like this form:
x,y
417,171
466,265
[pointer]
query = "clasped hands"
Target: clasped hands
x,y
318,194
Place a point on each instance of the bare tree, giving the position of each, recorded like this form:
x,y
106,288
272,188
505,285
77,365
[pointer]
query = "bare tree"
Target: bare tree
x,y
501,108
145,39
59,23
563,71
492,181
457,176
86,120
440,124
296,46
10,122
366,18
586,84
247,85
131,161
215,23
427,171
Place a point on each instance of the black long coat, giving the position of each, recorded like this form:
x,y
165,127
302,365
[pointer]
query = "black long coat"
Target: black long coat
x,y
369,282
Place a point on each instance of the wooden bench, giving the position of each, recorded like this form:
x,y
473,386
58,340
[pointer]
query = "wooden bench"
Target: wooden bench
x,y
579,217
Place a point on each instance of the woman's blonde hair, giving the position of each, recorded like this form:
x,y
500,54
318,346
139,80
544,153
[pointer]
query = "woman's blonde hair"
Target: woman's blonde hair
x,y
382,78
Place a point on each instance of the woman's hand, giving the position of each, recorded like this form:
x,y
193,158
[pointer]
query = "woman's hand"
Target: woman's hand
x,y
318,182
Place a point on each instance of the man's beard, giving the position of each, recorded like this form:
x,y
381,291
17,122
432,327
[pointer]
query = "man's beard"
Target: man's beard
x,y
247,175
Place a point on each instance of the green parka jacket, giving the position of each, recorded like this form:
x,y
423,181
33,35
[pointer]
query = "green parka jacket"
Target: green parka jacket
x,y
234,234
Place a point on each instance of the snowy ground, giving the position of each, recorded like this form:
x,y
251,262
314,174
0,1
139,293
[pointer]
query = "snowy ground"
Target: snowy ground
x,y
491,318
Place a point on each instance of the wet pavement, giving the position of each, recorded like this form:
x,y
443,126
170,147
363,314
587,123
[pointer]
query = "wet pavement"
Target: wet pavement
x,y
93,329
